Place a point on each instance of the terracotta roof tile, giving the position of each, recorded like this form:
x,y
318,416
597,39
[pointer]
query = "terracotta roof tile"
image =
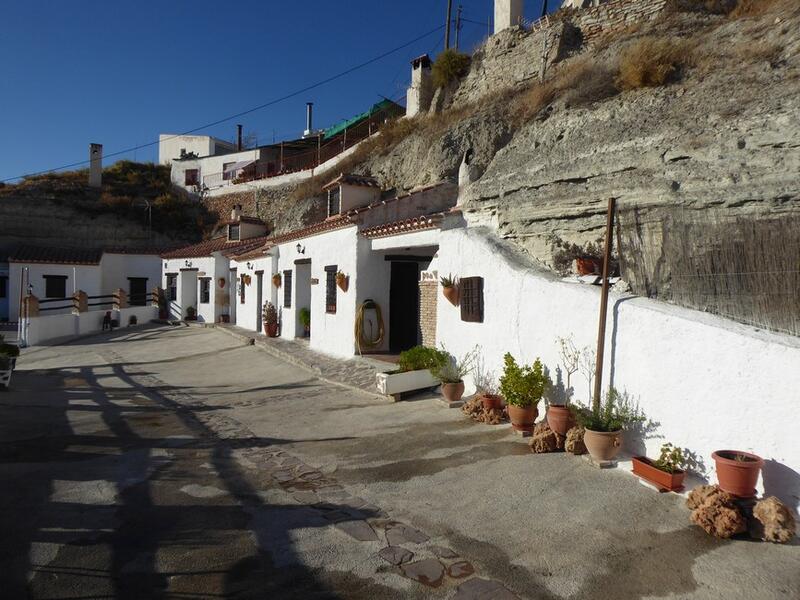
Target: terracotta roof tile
x,y
208,247
403,226
65,256
351,179
330,224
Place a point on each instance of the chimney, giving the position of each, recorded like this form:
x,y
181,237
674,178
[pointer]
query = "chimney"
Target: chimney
x,y
95,165
507,13
420,93
236,212
239,138
309,119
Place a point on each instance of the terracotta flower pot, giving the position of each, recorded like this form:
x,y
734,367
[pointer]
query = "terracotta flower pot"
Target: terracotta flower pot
x,y
522,418
603,445
492,401
560,419
452,392
737,477
451,293
271,329
589,266
644,468
343,283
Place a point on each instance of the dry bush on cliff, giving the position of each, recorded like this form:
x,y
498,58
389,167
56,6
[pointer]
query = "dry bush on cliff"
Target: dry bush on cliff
x,y
653,62
759,8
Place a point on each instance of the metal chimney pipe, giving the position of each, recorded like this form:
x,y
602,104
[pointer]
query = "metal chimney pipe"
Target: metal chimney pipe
x,y
309,117
239,138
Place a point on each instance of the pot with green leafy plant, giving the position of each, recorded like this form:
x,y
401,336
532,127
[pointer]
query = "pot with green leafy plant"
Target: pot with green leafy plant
x,y
415,371
304,315
451,374
523,388
737,471
604,423
270,318
450,288
666,473
191,313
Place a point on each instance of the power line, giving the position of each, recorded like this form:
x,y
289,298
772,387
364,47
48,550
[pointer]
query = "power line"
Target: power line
x,y
245,112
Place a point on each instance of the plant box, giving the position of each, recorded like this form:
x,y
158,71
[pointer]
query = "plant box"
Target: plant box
x,y
670,482
396,382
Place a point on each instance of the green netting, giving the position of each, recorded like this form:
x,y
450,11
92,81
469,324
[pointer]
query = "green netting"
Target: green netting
x,y
348,123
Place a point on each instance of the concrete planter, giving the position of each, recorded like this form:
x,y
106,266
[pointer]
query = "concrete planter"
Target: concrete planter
x,y
396,383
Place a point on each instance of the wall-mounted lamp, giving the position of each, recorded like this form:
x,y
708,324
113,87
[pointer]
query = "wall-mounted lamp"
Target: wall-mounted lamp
x,y
188,263
249,266
166,265
300,248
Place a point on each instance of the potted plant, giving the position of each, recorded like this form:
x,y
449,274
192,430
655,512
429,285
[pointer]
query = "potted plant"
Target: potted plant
x,y
191,313
270,318
414,372
342,280
486,386
8,361
450,288
560,416
667,472
246,279
604,423
451,375
305,320
737,472
523,388
276,280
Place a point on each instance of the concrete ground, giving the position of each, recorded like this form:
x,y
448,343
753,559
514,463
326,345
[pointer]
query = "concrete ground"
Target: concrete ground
x,y
179,463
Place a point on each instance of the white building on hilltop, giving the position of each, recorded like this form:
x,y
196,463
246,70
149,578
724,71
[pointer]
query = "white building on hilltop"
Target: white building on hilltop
x,y
174,146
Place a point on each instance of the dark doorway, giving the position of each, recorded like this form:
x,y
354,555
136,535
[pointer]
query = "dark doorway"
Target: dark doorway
x,y
137,294
404,306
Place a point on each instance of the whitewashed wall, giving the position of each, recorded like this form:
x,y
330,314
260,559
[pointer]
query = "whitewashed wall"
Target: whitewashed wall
x,y
117,268
330,333
53,329
79,277
247,312
709,383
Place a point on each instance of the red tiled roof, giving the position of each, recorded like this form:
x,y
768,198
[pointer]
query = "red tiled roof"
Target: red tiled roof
x,y
208,247
350,179
63,256
404,226
337,222
251,220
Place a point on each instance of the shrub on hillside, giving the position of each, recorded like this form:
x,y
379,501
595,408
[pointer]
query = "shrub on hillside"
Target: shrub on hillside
x,y
712,7
449,66
652,62
756,8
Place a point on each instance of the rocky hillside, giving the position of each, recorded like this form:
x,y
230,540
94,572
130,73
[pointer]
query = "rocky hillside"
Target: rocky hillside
x,y
62,210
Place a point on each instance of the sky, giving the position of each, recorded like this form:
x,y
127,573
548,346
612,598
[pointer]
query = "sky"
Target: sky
x,y
120,73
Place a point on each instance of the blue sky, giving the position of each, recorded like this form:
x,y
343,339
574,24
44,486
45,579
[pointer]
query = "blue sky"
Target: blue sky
x,y
119,73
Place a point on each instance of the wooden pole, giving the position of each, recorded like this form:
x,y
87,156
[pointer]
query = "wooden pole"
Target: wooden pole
x,y
601,333
447,30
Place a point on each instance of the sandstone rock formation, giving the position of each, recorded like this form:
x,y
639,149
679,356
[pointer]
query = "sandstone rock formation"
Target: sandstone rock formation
x,y
715,511
775,522
475,410
574,441
545,439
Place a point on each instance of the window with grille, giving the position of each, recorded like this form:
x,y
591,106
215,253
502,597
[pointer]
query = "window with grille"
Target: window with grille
x,y
55,286
205,290
334,203
137,291
233,233
227,174
191,177
172,288
330,289
471,298
287,289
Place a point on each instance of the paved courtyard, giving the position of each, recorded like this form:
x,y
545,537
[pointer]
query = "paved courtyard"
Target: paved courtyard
x,y
182,463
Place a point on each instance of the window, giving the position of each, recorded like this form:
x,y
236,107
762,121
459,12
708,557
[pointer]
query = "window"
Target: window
x,y
234,233
172,288
471,292
55,286
226,174
242,288
3,287
287,289
137,291
191,177
334,203
330,289
205,290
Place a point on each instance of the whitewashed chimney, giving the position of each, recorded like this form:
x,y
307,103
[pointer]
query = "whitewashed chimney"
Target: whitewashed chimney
x,y
420,94
95,165
507,13
236,212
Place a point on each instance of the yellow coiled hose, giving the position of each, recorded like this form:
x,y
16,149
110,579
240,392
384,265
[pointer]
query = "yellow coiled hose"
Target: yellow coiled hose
x,y
359,328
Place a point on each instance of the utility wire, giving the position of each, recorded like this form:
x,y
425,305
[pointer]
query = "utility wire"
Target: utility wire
x,y
244,112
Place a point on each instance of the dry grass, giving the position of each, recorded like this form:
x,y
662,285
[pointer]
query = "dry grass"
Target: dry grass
x,y
710,7
653,62
759,8
449,66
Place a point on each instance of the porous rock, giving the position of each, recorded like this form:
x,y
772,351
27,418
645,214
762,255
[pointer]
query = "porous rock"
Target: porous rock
x,y
545,439
475,410
574,441
773,521
716,512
